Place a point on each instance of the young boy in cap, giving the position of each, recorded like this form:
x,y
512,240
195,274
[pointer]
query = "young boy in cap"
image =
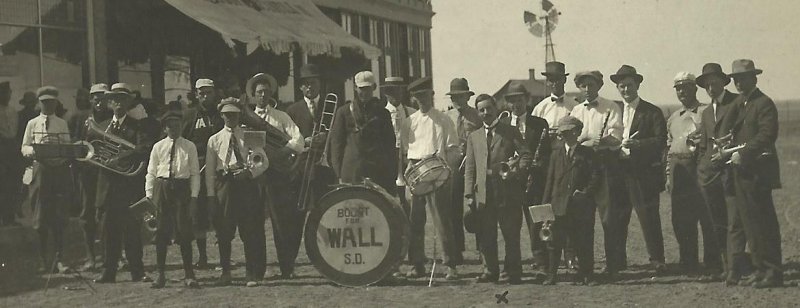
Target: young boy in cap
x,y
173,183
49,187
571,177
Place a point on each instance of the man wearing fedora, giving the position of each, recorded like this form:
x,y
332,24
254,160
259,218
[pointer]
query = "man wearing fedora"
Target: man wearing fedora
x,y
534,131
715,179
602,130
466,120
644,138
394,89
555,106
756,172
114,194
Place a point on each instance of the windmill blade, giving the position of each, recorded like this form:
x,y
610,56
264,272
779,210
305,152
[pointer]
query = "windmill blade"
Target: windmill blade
x,y
546,5
536,29
529,17
552,16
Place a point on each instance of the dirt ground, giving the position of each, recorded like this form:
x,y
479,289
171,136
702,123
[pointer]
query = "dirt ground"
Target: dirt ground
x,y
637,288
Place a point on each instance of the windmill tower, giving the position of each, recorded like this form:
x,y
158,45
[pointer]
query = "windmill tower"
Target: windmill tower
x,y
543,25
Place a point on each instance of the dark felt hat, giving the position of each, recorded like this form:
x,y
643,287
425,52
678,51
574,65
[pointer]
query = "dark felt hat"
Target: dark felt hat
x,y
516,88
626,71
309,71
459,86
711,69
554,68
744,66
422,84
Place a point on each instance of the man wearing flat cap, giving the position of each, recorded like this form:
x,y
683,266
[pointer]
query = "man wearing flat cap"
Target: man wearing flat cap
x,y
534,131
9,157
466,120
602,125
232,193
716,180
429,132
644,137
756,172
555,106
688,205
361,136
51,182
121,228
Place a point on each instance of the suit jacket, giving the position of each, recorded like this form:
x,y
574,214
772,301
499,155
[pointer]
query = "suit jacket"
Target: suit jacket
x,y
566,175
361,150
478,183
647,159
711,128
754,122
534,128
119,190
302,116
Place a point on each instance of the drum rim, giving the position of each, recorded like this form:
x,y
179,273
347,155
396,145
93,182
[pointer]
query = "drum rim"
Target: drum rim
x,y
447,173
398,248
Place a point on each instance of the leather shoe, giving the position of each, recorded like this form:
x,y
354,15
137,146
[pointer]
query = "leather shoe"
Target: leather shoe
x,y
191,283
486,278
140,278
160,282
661,268
416,272
202,265
452,274
224,279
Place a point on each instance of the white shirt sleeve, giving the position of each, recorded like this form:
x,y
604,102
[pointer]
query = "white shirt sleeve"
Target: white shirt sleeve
x,y
194,169
152,169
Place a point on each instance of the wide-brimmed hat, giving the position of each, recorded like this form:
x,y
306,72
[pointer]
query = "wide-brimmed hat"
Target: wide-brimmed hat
x,y
393,82
555,69
46,93
626,71
712,69
120,88
459,86
309,71
744,66
596,75
260,78
516,88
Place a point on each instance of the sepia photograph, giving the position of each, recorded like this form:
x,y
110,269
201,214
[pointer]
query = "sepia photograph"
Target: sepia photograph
x,y
399,153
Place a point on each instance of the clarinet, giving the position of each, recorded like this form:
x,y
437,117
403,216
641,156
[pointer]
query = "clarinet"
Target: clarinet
x,y
537,155
605,125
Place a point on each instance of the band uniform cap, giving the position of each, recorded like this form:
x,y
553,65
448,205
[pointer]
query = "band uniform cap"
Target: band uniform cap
x,y
172,115
459,86
259,78
230,104
364,79
744,66
684,78
626,71
393,81
203,82
555,68
419,85
47,92
710,69
309,71
516,88
593,74
98,88
120,88
568,123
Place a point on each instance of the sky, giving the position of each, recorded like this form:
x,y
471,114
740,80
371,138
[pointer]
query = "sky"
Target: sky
x,y
487,42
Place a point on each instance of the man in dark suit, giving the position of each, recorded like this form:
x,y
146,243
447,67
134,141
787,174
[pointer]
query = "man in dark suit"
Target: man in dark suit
x,y
115,193
756,172
571,177
534,131
715,179
362,136
499,197
644,137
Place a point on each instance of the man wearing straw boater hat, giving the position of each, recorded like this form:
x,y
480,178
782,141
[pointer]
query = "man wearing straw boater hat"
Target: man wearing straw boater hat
x,y
715,179
466,120
644,137
756,172
50,185
114,194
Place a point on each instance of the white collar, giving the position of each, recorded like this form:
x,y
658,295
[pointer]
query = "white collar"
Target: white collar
x,y
632,104
119,120
310,101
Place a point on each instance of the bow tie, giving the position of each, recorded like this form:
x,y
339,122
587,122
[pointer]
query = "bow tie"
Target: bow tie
x,y
693,110
557,99
593,103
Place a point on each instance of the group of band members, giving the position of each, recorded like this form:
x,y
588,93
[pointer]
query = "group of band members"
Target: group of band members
x,y
580,155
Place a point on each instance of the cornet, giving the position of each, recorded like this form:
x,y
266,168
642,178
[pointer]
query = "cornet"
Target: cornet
x,y
146,209
510,167
545,233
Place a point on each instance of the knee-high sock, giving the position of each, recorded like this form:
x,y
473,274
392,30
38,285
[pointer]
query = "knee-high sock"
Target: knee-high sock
x,y
186,255
161,256
201,250
225,255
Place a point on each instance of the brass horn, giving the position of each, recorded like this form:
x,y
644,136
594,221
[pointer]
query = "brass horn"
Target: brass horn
x,y
104,150
146,209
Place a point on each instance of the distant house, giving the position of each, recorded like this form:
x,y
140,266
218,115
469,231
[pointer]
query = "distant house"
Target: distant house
x,y
536,87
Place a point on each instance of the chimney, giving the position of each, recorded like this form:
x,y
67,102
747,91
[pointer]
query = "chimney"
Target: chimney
x,y
532,74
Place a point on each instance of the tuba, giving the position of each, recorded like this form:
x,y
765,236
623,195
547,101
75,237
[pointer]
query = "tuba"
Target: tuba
x,y
103,149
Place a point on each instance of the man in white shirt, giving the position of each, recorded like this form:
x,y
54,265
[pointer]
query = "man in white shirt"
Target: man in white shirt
x,y
233,194
557,105
173,184
51,182
394,89
429,132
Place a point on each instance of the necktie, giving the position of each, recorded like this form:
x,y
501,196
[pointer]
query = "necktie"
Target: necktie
x,y
489,137
171,158
716,110
234,145
460,127
46,123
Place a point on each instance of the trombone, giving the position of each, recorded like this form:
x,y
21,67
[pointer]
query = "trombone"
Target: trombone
x,y
325,124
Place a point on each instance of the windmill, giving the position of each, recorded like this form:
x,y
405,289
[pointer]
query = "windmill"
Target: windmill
x,y
543,25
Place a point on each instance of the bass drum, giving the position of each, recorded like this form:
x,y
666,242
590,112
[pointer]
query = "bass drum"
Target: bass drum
x,y
357,234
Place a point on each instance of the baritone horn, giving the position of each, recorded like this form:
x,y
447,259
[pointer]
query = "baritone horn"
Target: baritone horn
x,y
105,149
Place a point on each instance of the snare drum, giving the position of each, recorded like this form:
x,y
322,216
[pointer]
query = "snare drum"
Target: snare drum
x,y
357,234
427,175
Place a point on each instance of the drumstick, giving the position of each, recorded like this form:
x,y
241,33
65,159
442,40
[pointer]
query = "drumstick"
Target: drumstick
x,y
634,135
